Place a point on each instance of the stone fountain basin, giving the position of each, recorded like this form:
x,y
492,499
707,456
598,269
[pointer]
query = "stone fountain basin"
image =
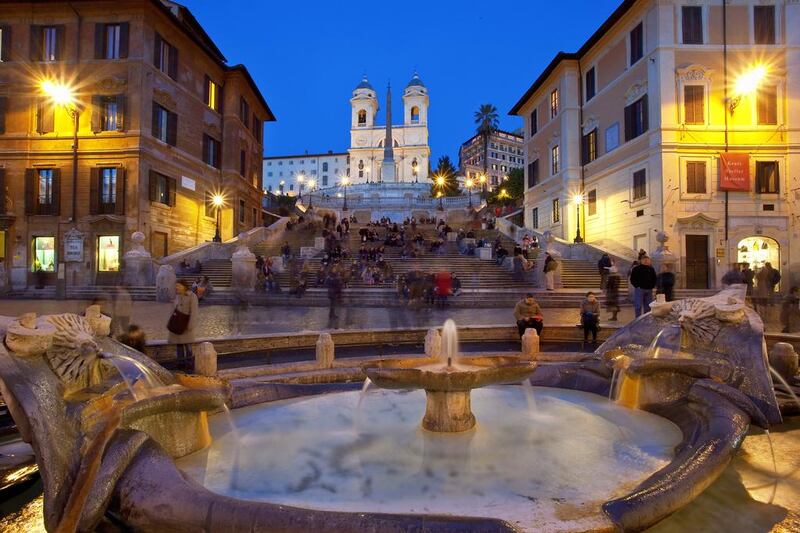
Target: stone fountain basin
x,y
466,374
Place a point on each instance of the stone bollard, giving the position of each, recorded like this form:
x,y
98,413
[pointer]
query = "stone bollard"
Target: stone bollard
x,y
325,350
783,359
433,343
530,344
205,360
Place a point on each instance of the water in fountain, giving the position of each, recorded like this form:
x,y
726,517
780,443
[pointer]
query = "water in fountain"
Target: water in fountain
x,y
133,371
449,353
357,417
667,342
527,386
785,385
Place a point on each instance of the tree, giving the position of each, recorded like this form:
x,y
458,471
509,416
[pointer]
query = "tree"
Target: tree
x,y
486,119
510,190
446,170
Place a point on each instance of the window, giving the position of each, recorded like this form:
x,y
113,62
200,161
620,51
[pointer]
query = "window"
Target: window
x,y
258,128
107,113
535,218
45,186
45,116
555,160
554,103
49,43
764,24
165,125
767,103
243,163
241,211
211,151
5,43
111,40
213,96
108,186
612,137
44,254
589,147
590,84
696,177
692,24
3,110
639,185
165,57
244,110
767,177
637,43
636,118
415,115
591,203
162,189
556,211
325,167
362,117
360,168
694,104
108,253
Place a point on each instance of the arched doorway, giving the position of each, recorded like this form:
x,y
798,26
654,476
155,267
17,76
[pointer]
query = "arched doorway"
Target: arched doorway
x,y
759,250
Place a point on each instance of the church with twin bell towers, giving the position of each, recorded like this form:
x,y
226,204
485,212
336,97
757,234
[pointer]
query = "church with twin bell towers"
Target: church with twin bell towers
x,y
389,153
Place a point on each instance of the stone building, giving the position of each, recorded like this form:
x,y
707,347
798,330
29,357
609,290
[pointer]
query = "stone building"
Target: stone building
x,y
286,174
410,150
674,116
163,124
505,152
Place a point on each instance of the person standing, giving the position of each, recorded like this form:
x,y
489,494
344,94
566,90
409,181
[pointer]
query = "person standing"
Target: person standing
x,y
550,266
590,316
666,282
734,277
123,306
612,292
643,279
528,314
603,265
182,323
748,278
334,284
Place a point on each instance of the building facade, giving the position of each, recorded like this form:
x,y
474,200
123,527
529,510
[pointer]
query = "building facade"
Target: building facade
x,y
674,116
411,152
162,123
286,175
504,152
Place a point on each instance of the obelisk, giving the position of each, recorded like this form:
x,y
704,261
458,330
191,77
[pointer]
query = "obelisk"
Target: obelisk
x,y
387,167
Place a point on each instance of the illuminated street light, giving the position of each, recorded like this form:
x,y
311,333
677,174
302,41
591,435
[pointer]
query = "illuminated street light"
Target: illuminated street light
x,y
218,200
469,183
300,179
578,201
482,181
312,183
746,84
440,181
344,181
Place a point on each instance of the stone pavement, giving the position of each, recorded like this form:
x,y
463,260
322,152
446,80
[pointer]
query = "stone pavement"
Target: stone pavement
x,y
222,321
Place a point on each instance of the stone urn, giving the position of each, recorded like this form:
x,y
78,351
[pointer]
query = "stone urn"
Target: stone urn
x,y
784,360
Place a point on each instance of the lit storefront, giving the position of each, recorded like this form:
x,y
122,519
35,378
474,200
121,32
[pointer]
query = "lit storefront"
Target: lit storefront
x,y
757,251
108,253
44,254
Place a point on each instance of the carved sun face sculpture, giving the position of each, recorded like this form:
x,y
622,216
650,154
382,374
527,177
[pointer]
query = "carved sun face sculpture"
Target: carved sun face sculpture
x,y
74,355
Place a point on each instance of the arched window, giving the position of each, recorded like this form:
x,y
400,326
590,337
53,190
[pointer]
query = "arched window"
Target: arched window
x,y
325,167
415,115
362,117
360,168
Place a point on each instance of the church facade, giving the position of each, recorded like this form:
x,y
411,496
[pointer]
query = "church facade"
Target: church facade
x,y
389,153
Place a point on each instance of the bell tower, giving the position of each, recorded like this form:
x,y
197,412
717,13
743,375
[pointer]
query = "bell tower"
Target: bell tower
x,y
364,104
415,102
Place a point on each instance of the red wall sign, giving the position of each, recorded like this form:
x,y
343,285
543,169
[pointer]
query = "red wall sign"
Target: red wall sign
x,y
734,172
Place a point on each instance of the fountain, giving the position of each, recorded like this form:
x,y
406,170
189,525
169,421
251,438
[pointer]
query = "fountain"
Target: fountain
x,y
305,449
448,382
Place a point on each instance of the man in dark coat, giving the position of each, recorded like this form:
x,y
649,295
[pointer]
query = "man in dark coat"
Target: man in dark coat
x,y
643,279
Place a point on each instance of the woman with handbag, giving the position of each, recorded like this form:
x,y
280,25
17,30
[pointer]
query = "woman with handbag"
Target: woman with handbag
x,y
182,323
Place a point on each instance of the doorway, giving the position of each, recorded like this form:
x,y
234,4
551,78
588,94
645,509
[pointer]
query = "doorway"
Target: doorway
x,y
158,244
696,261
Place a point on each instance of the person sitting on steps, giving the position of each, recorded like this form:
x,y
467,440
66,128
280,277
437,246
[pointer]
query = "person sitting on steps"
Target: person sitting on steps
x,y
528,314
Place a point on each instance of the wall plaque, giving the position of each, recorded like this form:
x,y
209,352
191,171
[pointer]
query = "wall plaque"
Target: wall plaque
x,y
73,246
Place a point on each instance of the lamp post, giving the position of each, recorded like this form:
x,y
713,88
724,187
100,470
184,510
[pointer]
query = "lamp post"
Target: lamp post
x,y
282,183
469,183
218,200
440,181
311,184
63,95
345,181
415,170
578,200
300,179
482,181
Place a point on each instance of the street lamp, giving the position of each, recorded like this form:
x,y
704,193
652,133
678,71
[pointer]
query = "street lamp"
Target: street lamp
x,y
311,184
282,183
469,183
344,181
747,84
64,96
482,181
218,200
414,170
300,179
578,200
440,181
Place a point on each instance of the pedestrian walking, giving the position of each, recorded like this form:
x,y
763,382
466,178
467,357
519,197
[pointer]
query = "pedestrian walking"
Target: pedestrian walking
x,y
603,265
612,293
182,323
643,279
665,284
550,267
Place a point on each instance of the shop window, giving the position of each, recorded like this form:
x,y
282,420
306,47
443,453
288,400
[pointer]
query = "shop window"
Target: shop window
x,y
108,253
44,254
758,251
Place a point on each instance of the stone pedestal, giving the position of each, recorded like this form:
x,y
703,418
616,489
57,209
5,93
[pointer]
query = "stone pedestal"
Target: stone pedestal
x,y
205,359
319,243
165,283
530,344
325,350
448,412
243,267
484,253
433,343
137,270
663,256
784,360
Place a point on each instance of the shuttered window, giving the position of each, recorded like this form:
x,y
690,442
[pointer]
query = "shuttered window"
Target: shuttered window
x,y
556,211
165,57
696,177
42,191
589,147
213,94
108,112
107,191
692,22
591,203
767,103
3,112
767,177
639,185
5,43
534,122
165,125
45,116
47,43
636,118
590,84
764,24
694,104
535,218
111,40
637,43
533,173
162,188
211,151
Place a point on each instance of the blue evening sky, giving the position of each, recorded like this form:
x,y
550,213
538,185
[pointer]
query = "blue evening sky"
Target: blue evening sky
x,y
307,56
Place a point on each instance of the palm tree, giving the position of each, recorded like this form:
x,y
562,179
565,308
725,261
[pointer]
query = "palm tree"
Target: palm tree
x,y
487,120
